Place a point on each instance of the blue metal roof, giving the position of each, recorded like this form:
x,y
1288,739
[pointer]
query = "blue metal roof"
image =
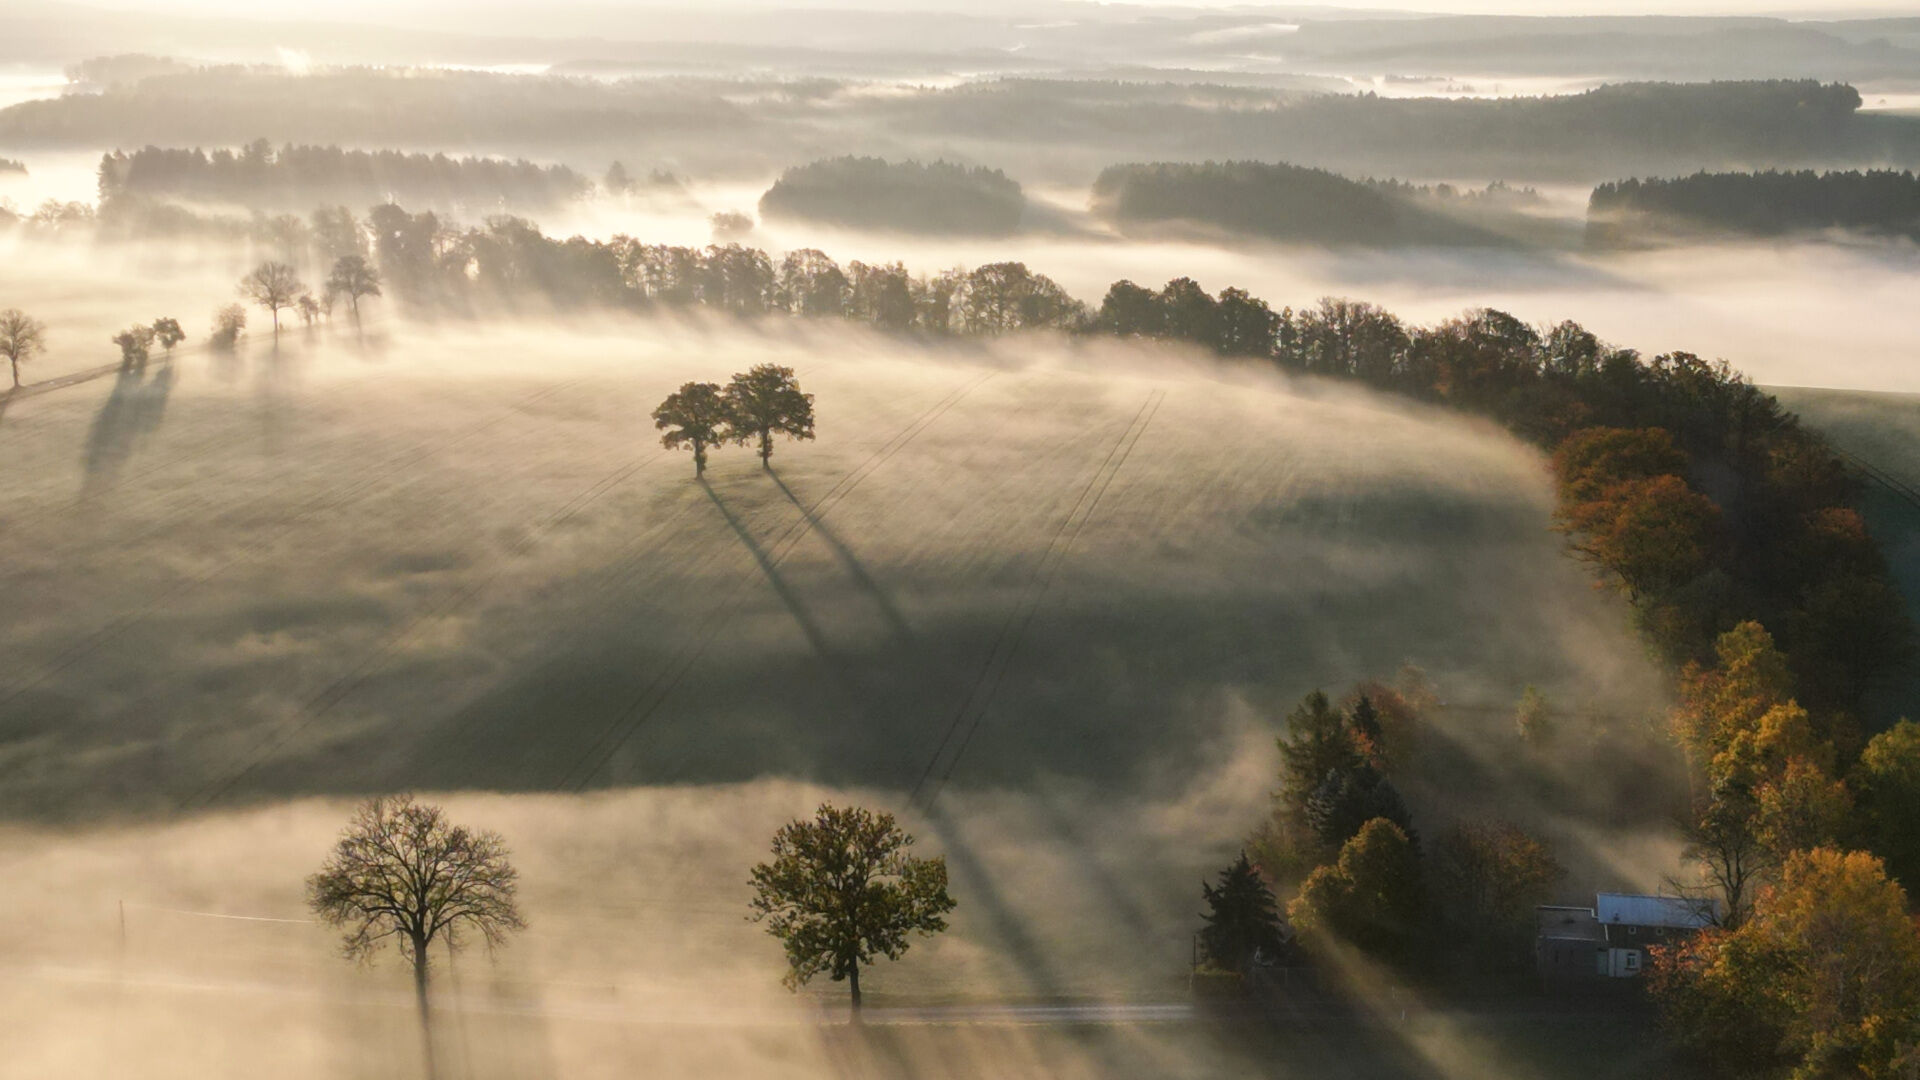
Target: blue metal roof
x,y
1680,912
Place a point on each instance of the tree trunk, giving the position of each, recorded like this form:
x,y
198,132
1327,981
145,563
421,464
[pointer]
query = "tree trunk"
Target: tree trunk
x,y
853,981
420,997
766,448
699,459
16,373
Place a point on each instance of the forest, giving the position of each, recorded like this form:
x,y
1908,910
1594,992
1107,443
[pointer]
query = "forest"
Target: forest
x,y
1878,202
258,176
1293,204
938,197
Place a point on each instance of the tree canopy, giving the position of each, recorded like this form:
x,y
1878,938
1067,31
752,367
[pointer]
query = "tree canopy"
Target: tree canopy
x,y
765,401
695,416
843,889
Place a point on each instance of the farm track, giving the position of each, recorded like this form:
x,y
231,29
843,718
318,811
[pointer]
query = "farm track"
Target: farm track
x,y
363,484
979,698
644,705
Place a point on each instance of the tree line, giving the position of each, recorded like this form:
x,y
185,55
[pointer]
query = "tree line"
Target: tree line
x,y
294,176
1770,203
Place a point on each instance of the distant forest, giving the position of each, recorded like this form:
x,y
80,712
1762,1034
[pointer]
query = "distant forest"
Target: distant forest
x,y
1755,204
1295,204
941,197
8,165
1058,130
296,177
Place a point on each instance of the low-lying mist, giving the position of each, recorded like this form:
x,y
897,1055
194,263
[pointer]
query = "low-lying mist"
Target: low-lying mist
x,y
1044,599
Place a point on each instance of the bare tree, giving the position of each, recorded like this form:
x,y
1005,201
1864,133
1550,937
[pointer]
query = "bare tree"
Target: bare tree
x,y
274,286
401,871
696,415
22,337
353,278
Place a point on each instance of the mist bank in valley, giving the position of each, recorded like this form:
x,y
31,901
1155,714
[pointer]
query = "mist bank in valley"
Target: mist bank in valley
x,y
1043,129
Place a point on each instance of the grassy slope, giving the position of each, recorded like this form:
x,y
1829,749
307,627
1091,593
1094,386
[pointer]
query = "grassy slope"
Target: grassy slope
x,y
462,562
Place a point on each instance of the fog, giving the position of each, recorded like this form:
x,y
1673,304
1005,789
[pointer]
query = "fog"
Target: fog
x,y
451,559
1046,597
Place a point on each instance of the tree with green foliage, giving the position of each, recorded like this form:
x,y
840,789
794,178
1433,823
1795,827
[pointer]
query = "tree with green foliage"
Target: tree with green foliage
x,y
1371,897
842,889
696,416
1241,918
22,338
766,401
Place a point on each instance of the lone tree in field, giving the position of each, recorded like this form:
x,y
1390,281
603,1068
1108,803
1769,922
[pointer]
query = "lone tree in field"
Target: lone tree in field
x,y
274,286
22,338
766,401
842,889
401,871
167,333
136,343
353,278
1241,916
695,415
227,324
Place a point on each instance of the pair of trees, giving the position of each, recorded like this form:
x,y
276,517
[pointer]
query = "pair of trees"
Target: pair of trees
x,y
758,404
136,342
277,287
839,890
22,337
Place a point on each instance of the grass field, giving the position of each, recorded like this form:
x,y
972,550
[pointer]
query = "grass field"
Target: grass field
x,y
1047,602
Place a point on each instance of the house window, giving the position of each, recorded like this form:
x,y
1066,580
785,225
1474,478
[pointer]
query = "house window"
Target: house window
x,y
1633,960
1633,931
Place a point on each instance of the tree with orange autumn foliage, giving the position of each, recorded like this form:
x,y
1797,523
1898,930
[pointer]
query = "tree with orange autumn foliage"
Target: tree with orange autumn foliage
x,y
1823,981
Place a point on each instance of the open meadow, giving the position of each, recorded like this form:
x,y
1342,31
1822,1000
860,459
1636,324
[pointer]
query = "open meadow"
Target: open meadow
x,y
1047,601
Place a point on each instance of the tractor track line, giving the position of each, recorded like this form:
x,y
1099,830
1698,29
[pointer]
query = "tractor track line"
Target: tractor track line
x,y
1013,629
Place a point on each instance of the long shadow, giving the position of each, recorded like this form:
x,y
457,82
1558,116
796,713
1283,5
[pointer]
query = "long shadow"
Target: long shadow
x,y
794,606
977,884
134,408
851,563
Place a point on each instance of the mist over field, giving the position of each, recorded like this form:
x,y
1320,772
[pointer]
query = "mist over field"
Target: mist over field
x,y
1047,578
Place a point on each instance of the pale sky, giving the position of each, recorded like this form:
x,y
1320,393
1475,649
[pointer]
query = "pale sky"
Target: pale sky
x,y
379,10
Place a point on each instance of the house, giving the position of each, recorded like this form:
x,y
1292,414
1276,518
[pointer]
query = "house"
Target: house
x,y
1610,939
